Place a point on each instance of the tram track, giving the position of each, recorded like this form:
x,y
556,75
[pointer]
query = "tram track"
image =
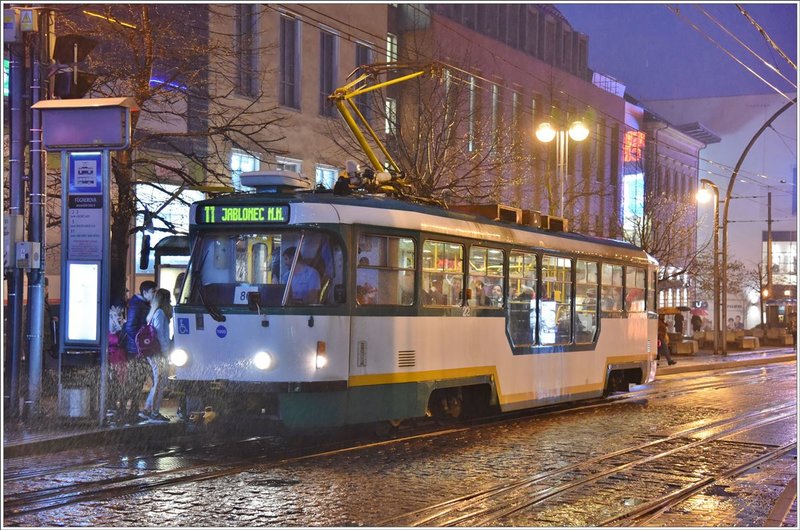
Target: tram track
x,y
496,505
111,487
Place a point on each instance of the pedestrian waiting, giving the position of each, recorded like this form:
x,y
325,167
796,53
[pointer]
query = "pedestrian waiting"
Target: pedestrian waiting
x,y
159,318
138,309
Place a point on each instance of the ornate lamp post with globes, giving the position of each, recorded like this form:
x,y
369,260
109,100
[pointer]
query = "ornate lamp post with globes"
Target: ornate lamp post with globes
x,y
545,133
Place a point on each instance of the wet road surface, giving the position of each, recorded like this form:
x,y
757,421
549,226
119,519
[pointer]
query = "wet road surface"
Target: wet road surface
x,y
551,469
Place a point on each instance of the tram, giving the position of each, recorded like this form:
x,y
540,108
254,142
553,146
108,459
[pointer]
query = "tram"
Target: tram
x,y
308,309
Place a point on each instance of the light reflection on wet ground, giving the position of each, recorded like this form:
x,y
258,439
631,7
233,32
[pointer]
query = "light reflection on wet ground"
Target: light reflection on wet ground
x,y
368,486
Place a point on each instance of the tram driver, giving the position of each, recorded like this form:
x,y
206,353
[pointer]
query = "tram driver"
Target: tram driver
x,y
305,281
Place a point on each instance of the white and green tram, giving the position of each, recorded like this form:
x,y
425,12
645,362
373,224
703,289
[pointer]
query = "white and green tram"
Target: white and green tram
x,y
313,309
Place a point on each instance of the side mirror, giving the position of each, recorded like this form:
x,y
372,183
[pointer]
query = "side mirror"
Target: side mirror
x,y
253,301
339,294
144,256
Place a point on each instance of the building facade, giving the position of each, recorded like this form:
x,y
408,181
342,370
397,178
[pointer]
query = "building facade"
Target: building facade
x,y
770,166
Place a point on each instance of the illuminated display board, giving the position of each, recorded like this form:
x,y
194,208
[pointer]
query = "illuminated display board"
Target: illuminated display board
x,y
242,214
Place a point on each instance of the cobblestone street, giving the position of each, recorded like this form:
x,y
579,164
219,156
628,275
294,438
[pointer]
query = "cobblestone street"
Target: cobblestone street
x,y
381,483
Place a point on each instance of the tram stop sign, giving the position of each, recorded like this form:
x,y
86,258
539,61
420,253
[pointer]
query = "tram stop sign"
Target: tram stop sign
x,y
80,124
85,131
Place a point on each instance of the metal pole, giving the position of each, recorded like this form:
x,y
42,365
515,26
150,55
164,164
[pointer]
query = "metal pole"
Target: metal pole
x,y
560,141
715,235
36,234
105,279
16,207
716,271
727,203
769,244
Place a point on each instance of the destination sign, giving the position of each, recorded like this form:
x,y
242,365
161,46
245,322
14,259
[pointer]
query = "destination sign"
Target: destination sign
x,y
243,214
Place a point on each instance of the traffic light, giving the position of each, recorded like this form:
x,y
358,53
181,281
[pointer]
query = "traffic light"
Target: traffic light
x,y
68,81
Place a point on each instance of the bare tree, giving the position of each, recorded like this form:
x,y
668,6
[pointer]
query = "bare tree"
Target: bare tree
x,y
192,72
666,230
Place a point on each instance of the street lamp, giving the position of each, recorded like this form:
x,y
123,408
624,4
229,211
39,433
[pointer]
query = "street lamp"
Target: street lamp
x,y
545,133
703,196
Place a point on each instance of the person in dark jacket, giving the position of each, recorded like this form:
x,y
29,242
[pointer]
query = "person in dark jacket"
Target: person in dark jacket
x,y
138,308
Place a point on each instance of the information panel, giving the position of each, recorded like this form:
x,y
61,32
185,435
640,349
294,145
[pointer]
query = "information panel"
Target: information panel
x,y
84,222
83,301
278,214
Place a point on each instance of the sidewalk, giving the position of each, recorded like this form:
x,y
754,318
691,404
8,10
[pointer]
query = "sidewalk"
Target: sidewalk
x,y
52,435
706,360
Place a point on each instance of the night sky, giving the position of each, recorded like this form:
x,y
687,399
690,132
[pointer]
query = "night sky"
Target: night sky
x,y
658,55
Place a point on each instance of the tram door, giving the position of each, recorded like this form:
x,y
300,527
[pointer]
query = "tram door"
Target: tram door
x,y
171,260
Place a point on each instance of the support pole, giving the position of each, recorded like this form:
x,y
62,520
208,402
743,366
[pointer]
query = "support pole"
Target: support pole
x,y
725,213
16,207
36,290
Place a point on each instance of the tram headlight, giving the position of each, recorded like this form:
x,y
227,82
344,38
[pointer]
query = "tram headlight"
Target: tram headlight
x,y
179,357
262,360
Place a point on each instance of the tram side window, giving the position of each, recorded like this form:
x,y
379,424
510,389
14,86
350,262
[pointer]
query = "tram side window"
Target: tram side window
x,y
634,288
585,301
522,282
442,273
385,270
556,321
653,291
486,277
611,290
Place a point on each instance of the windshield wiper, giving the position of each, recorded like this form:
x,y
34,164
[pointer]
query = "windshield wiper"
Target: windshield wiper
x,y
197,283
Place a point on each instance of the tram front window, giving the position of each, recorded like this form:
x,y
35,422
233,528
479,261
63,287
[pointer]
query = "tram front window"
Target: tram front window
x,y
284,267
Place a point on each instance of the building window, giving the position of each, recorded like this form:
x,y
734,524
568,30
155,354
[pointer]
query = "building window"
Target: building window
x,y
391,48
327,71
390,125
363,57
289,95
326,176
173,217
289,164
242,162
495,115
246,44
471,117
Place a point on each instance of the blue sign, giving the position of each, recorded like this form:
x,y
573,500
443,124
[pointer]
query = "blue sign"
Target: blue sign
x,y
85,173
221,331
183,326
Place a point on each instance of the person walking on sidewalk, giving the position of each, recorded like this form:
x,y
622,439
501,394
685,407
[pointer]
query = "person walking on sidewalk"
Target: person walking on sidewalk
x,y
663,341
138,308
159,317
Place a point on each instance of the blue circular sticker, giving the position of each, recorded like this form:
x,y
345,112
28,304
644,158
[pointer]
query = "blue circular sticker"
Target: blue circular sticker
x,y
221,331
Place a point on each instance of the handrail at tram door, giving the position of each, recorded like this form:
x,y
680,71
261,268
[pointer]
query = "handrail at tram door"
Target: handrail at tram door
x,y
360,86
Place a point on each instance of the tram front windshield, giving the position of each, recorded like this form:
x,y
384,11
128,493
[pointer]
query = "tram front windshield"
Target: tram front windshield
x,y
285,268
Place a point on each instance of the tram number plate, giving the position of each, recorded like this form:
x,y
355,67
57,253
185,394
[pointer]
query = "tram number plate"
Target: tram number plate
x,y
240,294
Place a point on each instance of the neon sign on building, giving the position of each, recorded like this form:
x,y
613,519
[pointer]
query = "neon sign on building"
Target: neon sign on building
x,y
634,144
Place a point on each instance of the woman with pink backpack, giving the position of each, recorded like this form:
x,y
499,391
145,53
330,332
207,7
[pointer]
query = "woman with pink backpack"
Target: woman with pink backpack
x,y
158,320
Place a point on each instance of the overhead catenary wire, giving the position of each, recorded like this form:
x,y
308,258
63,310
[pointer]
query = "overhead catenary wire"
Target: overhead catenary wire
x,y
677,13
745,46
765,35
373,39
